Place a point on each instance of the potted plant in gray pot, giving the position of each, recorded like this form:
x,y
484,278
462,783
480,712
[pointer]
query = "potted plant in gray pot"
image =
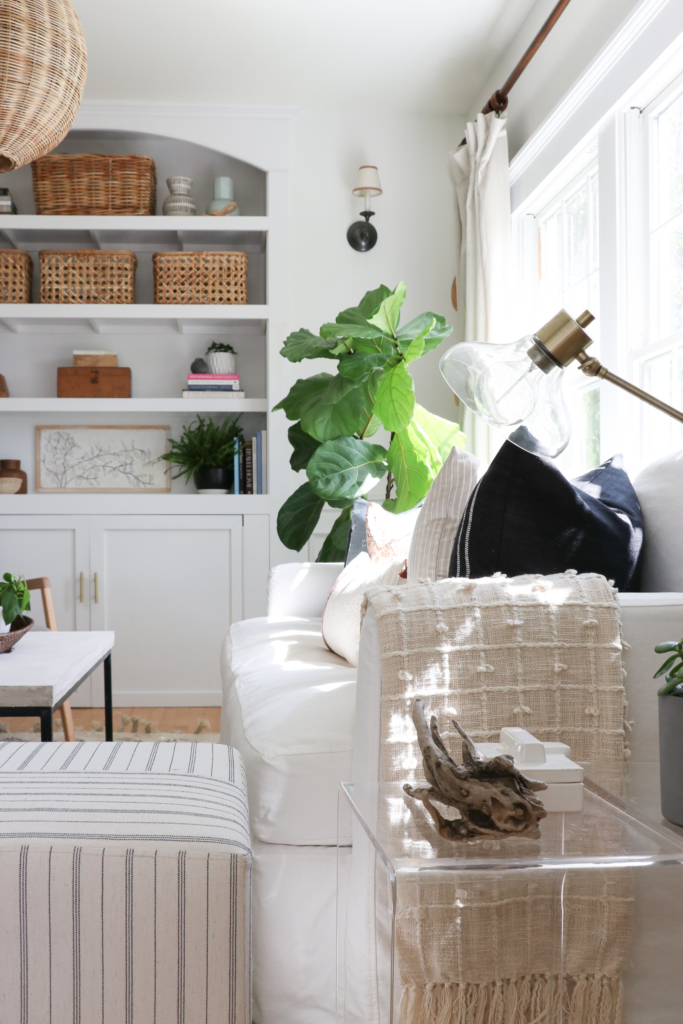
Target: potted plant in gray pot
x,y
671,730
14,601
206,451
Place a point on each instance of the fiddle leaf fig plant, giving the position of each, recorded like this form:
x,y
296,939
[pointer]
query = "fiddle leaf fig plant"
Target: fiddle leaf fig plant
x,y
15,598
335,415
672,668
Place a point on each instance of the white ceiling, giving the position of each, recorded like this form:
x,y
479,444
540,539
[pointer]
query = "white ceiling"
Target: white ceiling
x,y
395,55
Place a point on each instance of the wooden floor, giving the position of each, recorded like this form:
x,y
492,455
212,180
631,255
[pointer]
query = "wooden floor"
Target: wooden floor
x,y
162,719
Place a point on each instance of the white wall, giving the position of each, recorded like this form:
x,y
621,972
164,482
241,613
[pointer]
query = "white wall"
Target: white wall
x,y
414,221
583,29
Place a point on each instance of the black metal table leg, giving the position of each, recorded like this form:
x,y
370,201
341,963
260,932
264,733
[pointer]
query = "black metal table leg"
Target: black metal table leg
x,y
108,710
45,724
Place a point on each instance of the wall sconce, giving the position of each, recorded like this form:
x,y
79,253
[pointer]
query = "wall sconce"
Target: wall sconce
x,y
362,235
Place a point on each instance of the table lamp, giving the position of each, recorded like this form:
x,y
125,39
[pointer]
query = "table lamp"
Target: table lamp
x,y
520,384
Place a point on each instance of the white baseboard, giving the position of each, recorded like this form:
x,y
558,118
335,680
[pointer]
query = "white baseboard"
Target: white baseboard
x,y
162,699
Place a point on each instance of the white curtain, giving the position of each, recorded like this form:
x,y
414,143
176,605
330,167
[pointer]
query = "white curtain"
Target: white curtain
x,y
480,173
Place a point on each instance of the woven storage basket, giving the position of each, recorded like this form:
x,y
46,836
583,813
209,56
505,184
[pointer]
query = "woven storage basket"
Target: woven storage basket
x,y
193,278
16,276
89,184
42,75
87,275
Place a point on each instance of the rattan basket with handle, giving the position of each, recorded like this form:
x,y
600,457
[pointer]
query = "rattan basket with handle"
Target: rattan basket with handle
x,y
42,76
90,184
16,276
87,275
198,278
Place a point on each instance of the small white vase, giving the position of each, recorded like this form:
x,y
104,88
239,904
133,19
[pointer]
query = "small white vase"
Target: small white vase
x,y
221,362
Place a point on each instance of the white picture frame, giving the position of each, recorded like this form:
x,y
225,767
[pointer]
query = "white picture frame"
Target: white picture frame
x,y
102,460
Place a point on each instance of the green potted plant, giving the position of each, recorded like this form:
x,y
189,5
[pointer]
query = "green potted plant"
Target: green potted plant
x,y
14,601
336,415
205,451
671,730
221,357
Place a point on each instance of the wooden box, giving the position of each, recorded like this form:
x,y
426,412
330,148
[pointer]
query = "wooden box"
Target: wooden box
x,y
95,359
93,382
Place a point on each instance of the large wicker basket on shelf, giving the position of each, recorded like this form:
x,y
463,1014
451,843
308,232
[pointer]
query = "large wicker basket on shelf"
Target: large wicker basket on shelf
x,y
90,184
200,278
16,275
87,275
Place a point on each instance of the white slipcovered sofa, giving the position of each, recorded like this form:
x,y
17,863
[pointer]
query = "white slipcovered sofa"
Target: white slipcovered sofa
x,y
304,721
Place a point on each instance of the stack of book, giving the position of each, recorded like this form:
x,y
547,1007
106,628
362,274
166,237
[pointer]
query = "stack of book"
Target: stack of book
x,y
213,385
251,466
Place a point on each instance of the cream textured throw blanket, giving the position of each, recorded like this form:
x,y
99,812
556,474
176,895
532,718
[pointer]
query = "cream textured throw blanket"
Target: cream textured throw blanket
x,y
491,947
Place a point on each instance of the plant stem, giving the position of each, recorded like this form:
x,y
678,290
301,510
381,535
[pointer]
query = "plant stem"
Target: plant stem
x,y
390,477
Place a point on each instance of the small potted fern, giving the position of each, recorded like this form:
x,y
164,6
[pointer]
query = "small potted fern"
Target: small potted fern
x,y
14,601
206,451
671,730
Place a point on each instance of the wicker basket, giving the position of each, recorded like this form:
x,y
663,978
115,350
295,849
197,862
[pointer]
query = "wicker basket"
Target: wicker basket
x,y
16,276
198,278
87,275
92,185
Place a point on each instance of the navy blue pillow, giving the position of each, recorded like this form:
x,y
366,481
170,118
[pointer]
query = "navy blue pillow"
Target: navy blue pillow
x,y
524,516
358,535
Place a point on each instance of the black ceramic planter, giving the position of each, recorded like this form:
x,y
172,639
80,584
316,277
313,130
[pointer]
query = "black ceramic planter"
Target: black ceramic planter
x,y
671,757
214,479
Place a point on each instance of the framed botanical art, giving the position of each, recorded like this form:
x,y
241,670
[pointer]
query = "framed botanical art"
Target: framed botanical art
x,y
112,460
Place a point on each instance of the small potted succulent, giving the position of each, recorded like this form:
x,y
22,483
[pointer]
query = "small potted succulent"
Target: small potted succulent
x,y
671,730
205,451
221,357
14,601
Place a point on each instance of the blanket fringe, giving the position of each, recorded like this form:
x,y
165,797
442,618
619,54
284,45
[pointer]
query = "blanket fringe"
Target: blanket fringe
x,y
586,999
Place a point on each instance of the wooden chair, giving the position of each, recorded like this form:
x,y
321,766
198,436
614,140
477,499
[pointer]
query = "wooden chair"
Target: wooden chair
x,y
42,584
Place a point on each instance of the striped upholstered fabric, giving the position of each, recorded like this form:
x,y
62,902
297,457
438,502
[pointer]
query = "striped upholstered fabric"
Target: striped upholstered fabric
x,y
125,884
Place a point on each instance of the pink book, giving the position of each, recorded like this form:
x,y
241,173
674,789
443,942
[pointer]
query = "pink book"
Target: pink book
x,y
213,376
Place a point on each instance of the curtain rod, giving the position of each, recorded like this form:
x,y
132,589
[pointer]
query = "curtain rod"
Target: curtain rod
x,y
499,100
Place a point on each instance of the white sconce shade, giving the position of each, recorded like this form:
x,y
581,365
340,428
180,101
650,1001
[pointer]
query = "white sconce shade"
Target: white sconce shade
x,y
367,182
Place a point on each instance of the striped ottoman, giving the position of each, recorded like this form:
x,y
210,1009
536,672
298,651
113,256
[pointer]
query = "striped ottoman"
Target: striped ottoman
x,y
125,884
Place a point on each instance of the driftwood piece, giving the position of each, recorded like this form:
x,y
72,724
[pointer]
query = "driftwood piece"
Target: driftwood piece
x,y
493,797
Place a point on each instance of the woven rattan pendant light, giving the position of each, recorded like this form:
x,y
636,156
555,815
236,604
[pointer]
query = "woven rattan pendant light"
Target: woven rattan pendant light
x,y
43,63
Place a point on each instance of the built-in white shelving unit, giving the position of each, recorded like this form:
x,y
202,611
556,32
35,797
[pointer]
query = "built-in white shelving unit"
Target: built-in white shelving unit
x,y
114,405
140,318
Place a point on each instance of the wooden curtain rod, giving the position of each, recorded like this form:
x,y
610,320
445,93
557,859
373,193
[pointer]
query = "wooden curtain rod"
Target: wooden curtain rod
x,y
499,100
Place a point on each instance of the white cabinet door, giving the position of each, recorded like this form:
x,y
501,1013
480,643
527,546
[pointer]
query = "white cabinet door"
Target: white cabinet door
x,y
169,586
56,547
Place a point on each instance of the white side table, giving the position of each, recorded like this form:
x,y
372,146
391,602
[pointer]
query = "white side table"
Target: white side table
x,y
44,669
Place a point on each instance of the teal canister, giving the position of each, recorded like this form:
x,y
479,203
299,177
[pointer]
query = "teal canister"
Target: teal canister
x,y
223,203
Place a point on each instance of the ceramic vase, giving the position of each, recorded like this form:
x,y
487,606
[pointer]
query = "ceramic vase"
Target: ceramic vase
x,y
223,202
12,477
180,202
221,362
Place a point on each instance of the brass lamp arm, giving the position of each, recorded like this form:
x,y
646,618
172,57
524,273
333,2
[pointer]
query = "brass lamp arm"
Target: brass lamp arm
x,y
592,368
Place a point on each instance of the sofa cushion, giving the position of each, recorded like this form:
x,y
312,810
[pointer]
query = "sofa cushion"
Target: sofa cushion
x,y
342,615
384,535
659,488
288,708
524,516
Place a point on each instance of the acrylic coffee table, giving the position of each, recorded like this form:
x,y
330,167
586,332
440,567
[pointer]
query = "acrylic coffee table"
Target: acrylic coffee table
x,y
592,913
45,668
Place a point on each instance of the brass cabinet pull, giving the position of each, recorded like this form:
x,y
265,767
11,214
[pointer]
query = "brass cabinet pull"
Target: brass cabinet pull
x,y
81,589
96,597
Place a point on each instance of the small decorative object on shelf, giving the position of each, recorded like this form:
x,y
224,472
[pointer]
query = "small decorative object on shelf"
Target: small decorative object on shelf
x,y
14,601
223,203
94,357
495,800
4,390
91,184
213,385
94,382
199,365
200,278
87,276
206,451
221,357
12,477
106,459
7,204
180,202
16,276
671,730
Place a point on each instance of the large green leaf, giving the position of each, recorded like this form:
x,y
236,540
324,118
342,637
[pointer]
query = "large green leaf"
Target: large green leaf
x,y
340,410
334,546
410,465
371,422
438,435
371,301
415,348
297,518
303,444
346,467
434,336
379,345
349,329
395,398
304,345
303,395
389,313
360,364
